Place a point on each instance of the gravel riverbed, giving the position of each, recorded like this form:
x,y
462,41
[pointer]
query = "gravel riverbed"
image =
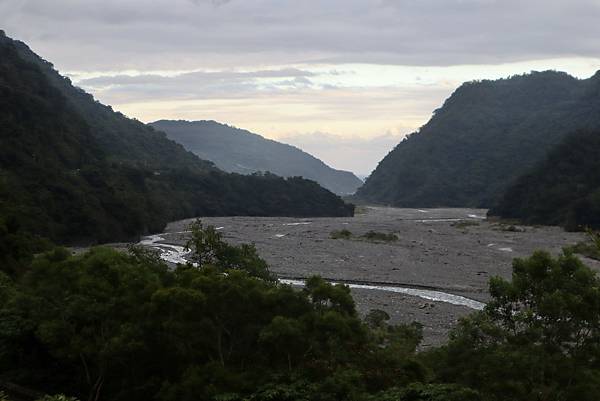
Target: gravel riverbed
x,y
450,250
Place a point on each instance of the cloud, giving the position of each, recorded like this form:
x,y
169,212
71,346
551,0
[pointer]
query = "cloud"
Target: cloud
x,y
188,34
214,2
139,86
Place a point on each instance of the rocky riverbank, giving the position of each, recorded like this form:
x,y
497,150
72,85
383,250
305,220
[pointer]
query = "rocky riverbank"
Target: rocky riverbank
x,y
455,251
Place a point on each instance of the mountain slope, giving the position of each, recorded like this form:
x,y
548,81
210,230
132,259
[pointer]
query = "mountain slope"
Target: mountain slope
x,y
563,189
240,151
75,171
486,135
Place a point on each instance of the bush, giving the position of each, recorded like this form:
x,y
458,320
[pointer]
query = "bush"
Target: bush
x,y
590,248
341,234
537,338
58,397
377,236
127,327
464,224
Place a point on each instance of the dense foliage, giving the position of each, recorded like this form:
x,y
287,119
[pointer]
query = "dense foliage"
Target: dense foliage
x,y
106,325
115,326
73,170
563,189
240,151
486,135
537,339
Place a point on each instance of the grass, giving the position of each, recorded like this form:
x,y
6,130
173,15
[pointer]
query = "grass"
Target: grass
x,y
512,228
508,227
341,234
465,223
373,236
377,236
360,210
585,248
590,248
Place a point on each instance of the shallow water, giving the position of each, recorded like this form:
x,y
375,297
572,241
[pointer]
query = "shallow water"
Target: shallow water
x,y
430,295
177,254
168,252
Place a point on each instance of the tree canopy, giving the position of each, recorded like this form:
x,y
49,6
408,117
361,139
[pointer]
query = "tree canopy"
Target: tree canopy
x,y
563,189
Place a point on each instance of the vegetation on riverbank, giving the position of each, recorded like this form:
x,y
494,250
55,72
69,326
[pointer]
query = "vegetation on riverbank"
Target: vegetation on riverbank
x,y
371,235
341,234
589,248
379,237
106,325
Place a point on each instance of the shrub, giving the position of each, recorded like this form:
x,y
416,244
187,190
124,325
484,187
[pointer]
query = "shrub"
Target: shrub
x,y
377,236
464,224
341,234
57,397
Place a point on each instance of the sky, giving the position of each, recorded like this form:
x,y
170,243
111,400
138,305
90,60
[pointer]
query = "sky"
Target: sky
x,y
344,80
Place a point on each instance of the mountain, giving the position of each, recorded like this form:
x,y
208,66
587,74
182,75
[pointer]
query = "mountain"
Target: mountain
x,y
240,151
74,170
563,189
485,135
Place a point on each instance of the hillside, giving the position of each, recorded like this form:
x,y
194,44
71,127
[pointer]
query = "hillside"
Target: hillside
x,y
485,135
240,151
563,189
73,170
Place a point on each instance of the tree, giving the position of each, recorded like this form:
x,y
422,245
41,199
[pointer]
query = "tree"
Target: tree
x,y
595,238
209,249
428,392
537,338
110,325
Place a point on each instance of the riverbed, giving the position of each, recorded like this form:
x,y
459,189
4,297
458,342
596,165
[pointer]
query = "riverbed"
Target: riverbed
x,y
434,273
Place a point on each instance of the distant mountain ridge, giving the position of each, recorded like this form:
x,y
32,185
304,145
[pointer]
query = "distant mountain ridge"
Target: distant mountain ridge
x,y
486,135
241,151
75,171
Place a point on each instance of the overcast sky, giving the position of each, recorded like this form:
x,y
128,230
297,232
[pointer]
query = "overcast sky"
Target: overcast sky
x,y
343,79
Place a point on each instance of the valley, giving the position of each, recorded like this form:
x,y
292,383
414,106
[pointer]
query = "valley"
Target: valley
x,y
187,259
454,251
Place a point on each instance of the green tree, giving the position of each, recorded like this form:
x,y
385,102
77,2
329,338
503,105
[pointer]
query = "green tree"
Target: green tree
x,y
428,392
209,249
595,238
109,325
58,397
538,337
285,336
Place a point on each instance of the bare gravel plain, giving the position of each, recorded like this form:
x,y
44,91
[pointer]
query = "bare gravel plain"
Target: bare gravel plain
x,y
451,250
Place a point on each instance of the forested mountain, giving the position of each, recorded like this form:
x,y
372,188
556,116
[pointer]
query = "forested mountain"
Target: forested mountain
x,y
486,135
563,189
240,151
74,170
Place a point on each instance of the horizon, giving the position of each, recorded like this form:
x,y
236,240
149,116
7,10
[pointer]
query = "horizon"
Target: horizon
x,y
344,82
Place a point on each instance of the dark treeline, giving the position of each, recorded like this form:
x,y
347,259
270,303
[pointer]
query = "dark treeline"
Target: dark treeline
x,y
106,325
563,189
73,170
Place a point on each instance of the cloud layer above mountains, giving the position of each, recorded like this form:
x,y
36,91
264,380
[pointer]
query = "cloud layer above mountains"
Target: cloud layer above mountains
x,y
184,33
353,68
